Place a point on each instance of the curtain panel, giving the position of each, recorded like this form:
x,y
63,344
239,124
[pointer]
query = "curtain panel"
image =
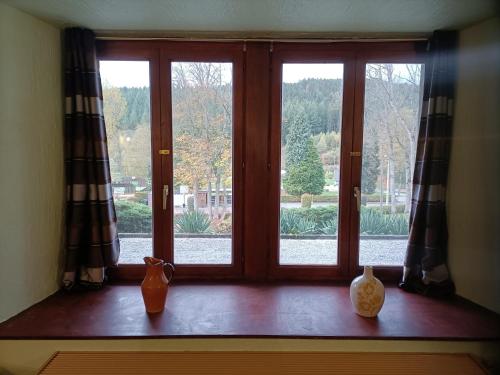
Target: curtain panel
x,y
425,269
91,234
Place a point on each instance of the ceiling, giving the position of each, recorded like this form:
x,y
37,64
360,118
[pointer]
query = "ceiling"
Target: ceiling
x,y
327,16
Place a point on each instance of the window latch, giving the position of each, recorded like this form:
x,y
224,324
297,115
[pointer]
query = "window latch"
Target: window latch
x,y
165,196
357,195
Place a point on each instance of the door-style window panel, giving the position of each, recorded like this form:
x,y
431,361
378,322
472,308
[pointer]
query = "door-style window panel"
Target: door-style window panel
x,y
310,163
391,120
204,141
202,131
126,98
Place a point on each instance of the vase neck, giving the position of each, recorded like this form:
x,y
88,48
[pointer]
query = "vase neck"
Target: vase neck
x,y
368,271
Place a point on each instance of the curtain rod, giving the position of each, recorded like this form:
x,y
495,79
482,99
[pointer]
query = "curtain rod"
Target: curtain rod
x,y
275,40
262,36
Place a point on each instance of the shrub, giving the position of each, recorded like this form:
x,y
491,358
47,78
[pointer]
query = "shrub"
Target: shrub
x,y
326,197
291,223
318,215
400,208
289,198
140,197
306,200
192,222
374,221
324,220
330,227
398,224
222,226
133,217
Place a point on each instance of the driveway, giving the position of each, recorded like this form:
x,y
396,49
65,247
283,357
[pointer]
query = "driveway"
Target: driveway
x,y
292,251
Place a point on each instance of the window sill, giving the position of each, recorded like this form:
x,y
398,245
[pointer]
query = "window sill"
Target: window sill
x,y
250,310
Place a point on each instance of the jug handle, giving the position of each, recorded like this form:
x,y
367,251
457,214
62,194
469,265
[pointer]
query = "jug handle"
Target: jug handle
x,y
172,270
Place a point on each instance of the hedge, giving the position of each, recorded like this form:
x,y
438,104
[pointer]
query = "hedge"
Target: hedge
x,y
133,217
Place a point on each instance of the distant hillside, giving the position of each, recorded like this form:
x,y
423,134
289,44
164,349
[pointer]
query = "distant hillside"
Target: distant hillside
x,y
138,105
319,98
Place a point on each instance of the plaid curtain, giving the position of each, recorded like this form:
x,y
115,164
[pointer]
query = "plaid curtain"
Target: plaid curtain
x,y
91,235
425,269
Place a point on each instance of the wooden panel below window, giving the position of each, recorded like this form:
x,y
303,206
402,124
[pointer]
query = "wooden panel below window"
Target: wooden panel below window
x,y
261,363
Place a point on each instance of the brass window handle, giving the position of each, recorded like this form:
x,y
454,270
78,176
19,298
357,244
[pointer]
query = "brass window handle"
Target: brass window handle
x,y
165,196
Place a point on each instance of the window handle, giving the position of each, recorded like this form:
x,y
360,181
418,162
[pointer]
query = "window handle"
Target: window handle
x,y
357,195
165,196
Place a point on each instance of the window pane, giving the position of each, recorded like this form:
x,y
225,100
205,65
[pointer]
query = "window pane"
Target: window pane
x,y
127,114
202,155
310,163
391,120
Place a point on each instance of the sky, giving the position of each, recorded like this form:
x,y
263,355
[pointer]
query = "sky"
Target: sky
x,y
293,73
136,73
124,73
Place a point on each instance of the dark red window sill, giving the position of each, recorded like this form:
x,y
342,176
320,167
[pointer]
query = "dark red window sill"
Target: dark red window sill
x,y
250,310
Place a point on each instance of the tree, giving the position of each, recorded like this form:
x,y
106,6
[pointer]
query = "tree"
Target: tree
x,y
296,146
190,164
371,166
202,117
305,175
321,99
328,146
391,111
136,152
114,108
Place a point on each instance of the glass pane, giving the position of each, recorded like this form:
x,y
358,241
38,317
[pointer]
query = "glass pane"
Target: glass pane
x,y
392,109
202,97
126,100
310,163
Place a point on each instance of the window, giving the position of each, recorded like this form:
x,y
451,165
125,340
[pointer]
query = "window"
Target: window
x,y
260,161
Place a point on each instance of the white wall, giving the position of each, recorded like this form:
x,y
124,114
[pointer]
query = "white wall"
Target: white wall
x,y
474,176
31,160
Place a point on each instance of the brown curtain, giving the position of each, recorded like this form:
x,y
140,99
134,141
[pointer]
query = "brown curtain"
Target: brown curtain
x,y
91,236
425,269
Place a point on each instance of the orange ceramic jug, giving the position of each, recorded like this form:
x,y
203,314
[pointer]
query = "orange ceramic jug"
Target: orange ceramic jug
x,y
154,287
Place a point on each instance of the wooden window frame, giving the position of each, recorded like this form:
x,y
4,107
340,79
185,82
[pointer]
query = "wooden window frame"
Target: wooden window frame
x,y
311,53
160,54
141,51
256,149
206,52
393,52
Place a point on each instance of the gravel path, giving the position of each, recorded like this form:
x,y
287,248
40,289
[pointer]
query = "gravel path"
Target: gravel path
x,y
292,251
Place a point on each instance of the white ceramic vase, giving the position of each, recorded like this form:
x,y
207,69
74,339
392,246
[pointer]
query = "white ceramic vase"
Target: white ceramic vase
x,y
367,294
